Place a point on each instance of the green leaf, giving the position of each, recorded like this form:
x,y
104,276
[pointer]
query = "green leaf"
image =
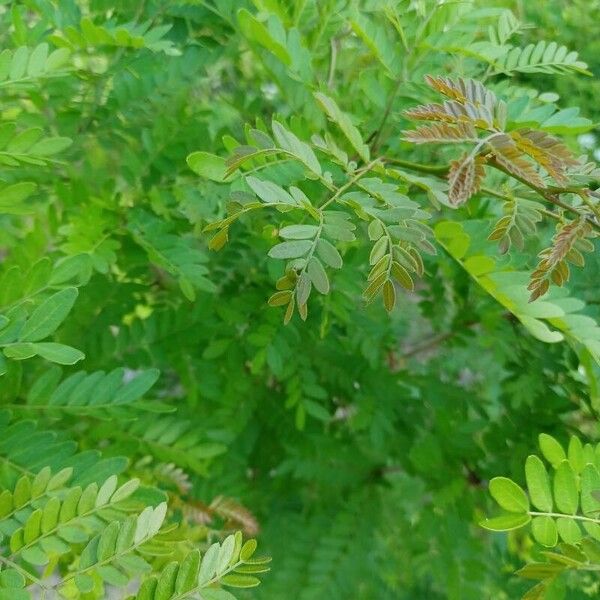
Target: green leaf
x,y
575,454
255,31
225,553
294,249
303,288
166,582
58,353
125,490
569,530
538,484
328,253
298,232
84,583
20,351
506,522
590,483
553,452
565,489
187,574
11,579
280,298
50,146
137,387
46,318
345,124
208,566
540,571
112,575
542,57
248,549
35,556
240,581
290,142
509,495
12,196
317,275
207,165
544,531
269,192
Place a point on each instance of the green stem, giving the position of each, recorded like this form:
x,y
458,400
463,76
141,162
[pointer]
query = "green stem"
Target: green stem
x,y
25,573
560,515
16,467
106,561
360,173
388,109
76,518
439,170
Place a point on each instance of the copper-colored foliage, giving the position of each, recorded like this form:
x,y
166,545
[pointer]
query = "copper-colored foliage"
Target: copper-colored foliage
x,y
431,112
463,90
547,151
553,267
465,177
233,511
509,156
452,111
442,133
236,515
471,106
469,99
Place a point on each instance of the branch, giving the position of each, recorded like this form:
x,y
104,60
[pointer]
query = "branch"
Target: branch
x,y
374,137
549,194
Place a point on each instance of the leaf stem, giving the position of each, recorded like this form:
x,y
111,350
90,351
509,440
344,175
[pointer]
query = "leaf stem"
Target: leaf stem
x,y
357,175
561,515
439,170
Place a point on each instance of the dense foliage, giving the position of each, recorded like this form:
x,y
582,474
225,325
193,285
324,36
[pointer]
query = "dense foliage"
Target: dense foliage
x,y
321,272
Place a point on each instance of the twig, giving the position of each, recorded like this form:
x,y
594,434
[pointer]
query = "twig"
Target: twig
x,y
374,137
436,340
550,194
334,43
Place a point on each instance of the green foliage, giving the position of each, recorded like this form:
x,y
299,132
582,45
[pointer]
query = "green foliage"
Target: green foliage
x,y
179,177
561,507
